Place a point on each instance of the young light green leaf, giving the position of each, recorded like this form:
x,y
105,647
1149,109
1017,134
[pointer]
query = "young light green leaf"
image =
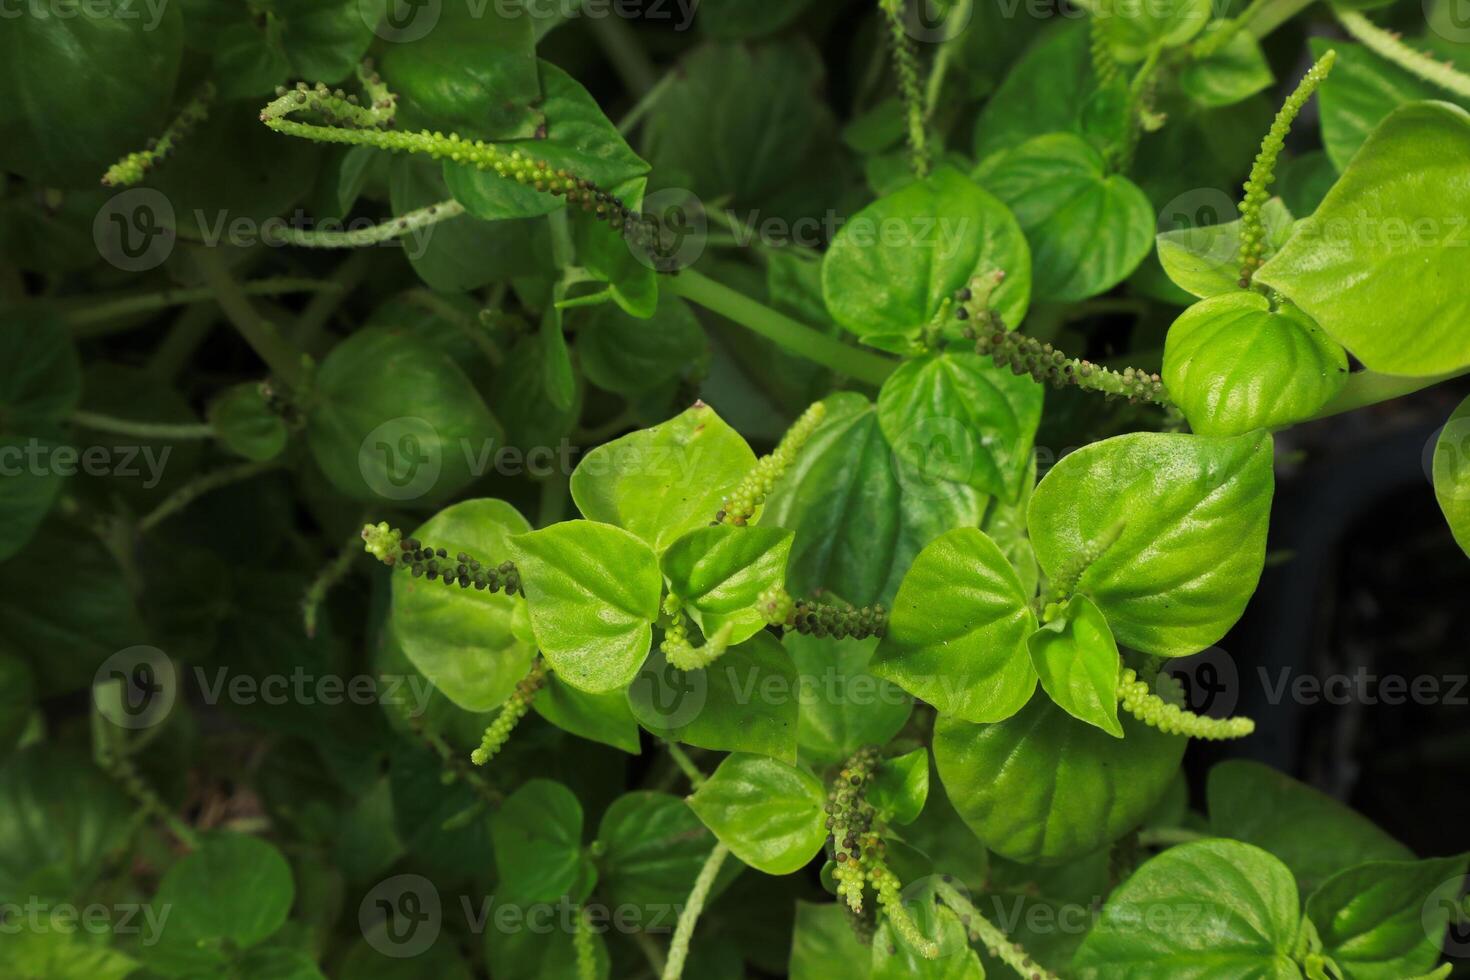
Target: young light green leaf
x,y
1232,363
1134,30
234,891
895,263
391,416
1189,514
859,512
843,706
1088,229
1387,247
1314,834
1077,661
1234,72
1042,786
58,951
1452,473
900,787
1046,92
747,701
957,634
662,482
958,417
767,812
593,591
1205,260
243,422
538,843
461,639
720,573
1386,919
1208,908
653,848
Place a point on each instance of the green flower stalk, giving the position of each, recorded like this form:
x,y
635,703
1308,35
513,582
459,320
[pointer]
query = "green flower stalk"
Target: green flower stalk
x,y
1046,364
689,914
586,949
740,506
911,90
466,571
849,817
681,652
1136,698
885,883
511,713
1390,45
1263,171
132,168
839,620
982,930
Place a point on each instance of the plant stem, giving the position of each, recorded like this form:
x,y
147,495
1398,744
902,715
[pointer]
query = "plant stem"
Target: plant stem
x,y
689,915
654,955
686,765
646,104
616,39
121,768
1388,45
198,487
311,323
188,330
384,231
1366,388
795,337
141,430
284,360
94,321
332,573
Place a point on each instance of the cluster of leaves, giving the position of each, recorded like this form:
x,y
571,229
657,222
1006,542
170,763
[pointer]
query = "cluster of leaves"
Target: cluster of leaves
x,y
891,651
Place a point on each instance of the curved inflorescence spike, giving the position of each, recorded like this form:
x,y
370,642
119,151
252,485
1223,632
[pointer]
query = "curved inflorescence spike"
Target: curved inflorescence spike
x,y
1046,364
1136,698
982,930
822,619
740,506
390,547
886,884
134,167
1390,46
849,817
586,949
405,224
1065,582
511,713
1263,171
681,652
911,90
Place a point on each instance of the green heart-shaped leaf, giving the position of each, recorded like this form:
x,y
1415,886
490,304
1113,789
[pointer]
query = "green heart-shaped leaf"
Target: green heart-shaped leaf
x,y
843,706
1232,363
538,844
654,846
720,573
767,812
1189,514
957,634
1077,661
594,592
1205,260
1452,473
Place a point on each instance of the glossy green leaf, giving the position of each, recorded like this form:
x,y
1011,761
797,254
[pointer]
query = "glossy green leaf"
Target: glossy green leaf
x,y
1304,180
1209,908
110,78
958,417
1046,92
1452,473
464,68
604,717
1134,30
1236,71
1077,661
823,943
594,592
578,138
957,635
61,953
1189,514
1314,834
1232,363
767,812
662,482
1088,229
747,701
894,958
860,513
1386,919
255,50
625,355
654,846
1205,260
843,706
940,830
1361,92
1042,786
462,639
234,891
394,419
895,263
521,398
721,572
900,787
537,833
243,422
61,820
1387,247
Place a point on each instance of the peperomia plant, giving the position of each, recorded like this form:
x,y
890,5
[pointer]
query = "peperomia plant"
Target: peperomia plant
x,y
796,497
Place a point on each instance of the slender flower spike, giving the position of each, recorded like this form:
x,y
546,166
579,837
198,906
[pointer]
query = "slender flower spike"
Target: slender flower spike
x,y
1263,172
132,168
1138,700
511,713
740,507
